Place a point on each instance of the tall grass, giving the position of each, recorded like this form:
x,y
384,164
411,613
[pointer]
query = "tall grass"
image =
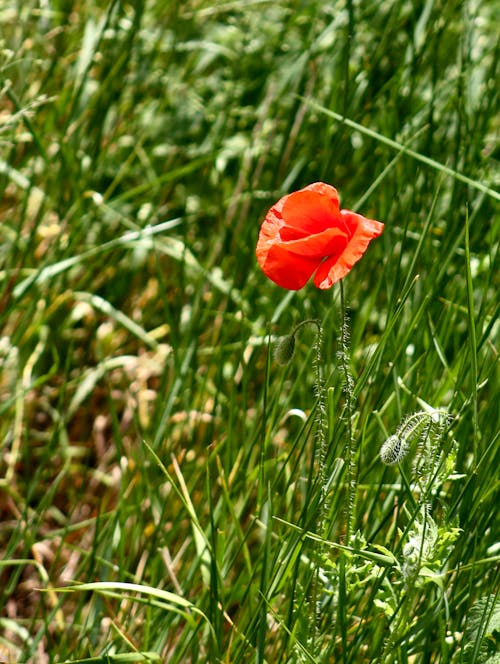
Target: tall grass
x,y
162,497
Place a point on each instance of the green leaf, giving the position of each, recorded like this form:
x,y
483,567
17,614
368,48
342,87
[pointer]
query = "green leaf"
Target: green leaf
x,y
118,659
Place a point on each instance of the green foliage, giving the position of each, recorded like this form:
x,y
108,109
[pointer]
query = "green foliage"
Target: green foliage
x,y
198,500
482,634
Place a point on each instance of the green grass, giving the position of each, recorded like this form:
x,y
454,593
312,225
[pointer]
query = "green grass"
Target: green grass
x,y
162,492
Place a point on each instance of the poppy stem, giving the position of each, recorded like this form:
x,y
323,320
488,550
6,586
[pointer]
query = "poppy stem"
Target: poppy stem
x,y
309,321
343,356
319,465
351,489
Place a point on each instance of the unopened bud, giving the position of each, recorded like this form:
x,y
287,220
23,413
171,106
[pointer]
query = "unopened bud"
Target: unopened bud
x,y
394,450
284,349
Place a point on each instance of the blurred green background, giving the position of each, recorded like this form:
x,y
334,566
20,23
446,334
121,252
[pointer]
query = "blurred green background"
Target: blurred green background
x,y
141,144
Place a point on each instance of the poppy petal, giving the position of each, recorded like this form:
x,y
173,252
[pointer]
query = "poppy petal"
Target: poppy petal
x,y
336,267
312,210
288,270
331,241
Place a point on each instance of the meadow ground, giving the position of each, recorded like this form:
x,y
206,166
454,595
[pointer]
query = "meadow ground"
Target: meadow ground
x,y
168,491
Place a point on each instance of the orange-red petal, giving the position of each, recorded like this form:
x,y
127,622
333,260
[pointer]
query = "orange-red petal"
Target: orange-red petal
x,y
330,241
288,270
335,268
312,210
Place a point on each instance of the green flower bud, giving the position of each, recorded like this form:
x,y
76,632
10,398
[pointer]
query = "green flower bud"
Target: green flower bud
x,y
394,450
284,349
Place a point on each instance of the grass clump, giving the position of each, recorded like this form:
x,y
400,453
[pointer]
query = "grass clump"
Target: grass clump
x,y
169,492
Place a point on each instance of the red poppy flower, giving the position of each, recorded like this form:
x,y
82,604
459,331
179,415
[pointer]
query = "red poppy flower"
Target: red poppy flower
x,y
306,232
